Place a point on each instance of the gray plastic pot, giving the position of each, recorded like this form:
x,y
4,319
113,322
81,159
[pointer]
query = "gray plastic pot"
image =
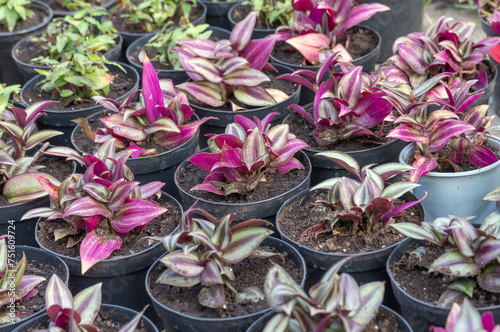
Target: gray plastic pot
x,y
61,120
257,33
106,6
260,324
39,258
122,277
175,321
324,169
177,76
460,194
421,315
217,12
114,313
364,267
28,71
244,211
8,71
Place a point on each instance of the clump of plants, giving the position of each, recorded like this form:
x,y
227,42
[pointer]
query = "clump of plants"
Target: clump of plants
x,y
99,206
364,203
162,115
12,11
469,257
241,158
78,313
490,11
335,303
272,13
15,285
466,318
321,25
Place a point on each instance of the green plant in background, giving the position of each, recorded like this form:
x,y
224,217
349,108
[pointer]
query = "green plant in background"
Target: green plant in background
x,y
273,13
77,80
12,11
5,95
153,15
75,4
79,33
166,40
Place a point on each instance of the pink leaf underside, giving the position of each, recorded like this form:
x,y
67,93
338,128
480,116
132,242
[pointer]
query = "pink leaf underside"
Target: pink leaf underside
x,y
309,45
93,249
205,160
422,166
135,213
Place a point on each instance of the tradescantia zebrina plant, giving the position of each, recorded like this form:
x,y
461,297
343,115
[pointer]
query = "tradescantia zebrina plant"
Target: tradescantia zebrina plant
x,y
99,206
470,256
208,249
78,313
335,303
248,150
364,203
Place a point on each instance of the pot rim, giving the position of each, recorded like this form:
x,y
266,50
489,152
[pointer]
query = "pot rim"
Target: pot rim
x,y
50,15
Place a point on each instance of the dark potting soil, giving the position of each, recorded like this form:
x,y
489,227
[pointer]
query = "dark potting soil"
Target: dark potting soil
x,y
54,4
384,321
412,276
304,130
301,215
131,243
242,11
38,17
358,42
124,25
275,184
250,272
119,86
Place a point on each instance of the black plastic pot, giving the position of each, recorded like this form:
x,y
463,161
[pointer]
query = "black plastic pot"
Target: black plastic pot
x,y
114,313
40,259
107,5
261,323
257,33
62,120
244,211
217,12
419,314
122,278
226,117
8,71
177,76
186,323
365,267
160,167
27,70
404,17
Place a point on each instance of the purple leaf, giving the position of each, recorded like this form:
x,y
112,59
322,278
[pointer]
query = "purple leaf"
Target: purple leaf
x,y
257,52
243,244
130,326
135,213
253,96
212,297
88,302
413,55
87,207
151,189
58,294
205,160
488,251
169,277
454,263
131,128
482,156
422,165
151,90
27,284
120,192
415,232
211,275
188,265
94,249
206,69
246,76
488,279
445,131
242,31
206,92
302,112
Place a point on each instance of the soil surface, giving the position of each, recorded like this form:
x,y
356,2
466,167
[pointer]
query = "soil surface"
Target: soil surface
x,y
54,4
412,276
38,17
358,42
131,243
384,321
250,272
303,214
241,13
119,86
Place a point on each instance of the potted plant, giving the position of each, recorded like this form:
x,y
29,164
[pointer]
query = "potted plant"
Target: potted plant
x,y
452,260
159,48
219,269
84,312
251,169
271,15
24,272
16,28
74,82
71,7
160,131
335,303
228,76
96,220
65,36
344,217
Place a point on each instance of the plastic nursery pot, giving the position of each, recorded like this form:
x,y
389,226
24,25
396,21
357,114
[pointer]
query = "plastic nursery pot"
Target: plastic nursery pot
x,y
495,98
113,313
8,71
122,277
44,264
257,33
160,167
421,315
261,323
461,193
177,76
324,169
185,323
28,71
226,117
217,12
61,120
107,4
244,211
365,267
